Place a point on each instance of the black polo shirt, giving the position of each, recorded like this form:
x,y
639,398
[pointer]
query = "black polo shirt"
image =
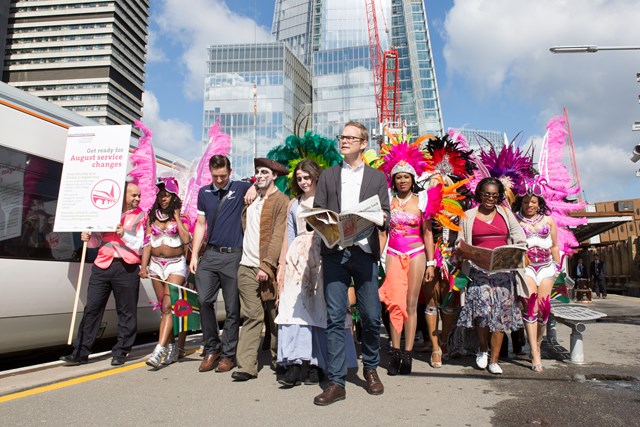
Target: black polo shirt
x,y
227,231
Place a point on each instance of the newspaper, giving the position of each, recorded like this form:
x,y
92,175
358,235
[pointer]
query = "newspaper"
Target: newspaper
x,y
347,227
502,258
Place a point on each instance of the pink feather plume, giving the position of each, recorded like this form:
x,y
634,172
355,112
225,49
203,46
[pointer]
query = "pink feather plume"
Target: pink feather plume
x,y
143,174
219,144
560,184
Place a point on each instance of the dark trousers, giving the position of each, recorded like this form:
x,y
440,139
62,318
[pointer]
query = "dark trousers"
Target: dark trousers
x,y
599,286
338,269
122,279
219,271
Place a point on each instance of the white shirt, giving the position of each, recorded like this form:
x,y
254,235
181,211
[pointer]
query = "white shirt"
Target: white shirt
x,y
251,239
351,181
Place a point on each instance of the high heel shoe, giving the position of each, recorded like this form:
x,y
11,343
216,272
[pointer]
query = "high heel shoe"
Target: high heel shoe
x,y
435,364
406,359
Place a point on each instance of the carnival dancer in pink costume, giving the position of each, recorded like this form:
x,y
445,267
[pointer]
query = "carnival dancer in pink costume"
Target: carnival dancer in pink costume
x,y
163,259
542,211
410,248
544,266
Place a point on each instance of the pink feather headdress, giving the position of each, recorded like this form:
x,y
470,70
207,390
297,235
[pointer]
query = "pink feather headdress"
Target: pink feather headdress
x,y
556,184
143,173
401,156
219,144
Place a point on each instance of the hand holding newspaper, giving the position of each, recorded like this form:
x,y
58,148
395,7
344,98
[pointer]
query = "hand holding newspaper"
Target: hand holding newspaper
x,y
502,258
347,227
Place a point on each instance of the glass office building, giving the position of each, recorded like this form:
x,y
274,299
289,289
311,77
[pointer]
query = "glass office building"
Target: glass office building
x,y
331,37
258,92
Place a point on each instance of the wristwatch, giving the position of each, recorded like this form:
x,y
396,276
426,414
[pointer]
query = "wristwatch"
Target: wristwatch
x,y
431,263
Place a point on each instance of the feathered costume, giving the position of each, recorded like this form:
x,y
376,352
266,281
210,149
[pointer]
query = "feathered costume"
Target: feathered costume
x,y
199,175
143,172
450,169
312,146
557,184
405,228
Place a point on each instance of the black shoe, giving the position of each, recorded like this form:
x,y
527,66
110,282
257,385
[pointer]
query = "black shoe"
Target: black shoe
x,y
71,360
278,369
405,363
242,376
118,360
291,378
394,363
314,375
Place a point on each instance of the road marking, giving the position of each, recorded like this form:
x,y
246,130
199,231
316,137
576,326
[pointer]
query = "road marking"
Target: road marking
x,y
68,383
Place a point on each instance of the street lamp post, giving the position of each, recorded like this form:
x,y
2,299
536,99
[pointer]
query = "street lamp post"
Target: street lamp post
x,y
589,48
635,155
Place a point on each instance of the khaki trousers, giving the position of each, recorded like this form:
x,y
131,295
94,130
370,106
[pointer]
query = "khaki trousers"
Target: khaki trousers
x,y
252,310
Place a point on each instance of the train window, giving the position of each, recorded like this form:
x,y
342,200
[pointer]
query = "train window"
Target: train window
x,y
29,188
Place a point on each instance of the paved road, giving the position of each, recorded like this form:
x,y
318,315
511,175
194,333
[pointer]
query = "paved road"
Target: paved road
x,y
605,391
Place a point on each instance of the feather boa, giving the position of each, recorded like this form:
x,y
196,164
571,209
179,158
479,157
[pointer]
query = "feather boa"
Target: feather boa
x,y
199,174
143,173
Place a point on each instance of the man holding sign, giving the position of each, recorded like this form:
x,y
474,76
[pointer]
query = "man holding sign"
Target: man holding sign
x,y
115,270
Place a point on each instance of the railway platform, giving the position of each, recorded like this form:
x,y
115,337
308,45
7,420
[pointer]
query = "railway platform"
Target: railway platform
x,y
603,391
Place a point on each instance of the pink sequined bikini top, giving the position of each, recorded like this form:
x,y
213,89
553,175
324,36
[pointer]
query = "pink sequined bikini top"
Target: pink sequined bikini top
x,y
168,236
171,230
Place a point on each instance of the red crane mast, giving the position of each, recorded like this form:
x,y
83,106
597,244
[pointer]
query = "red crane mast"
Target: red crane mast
x,y
385,71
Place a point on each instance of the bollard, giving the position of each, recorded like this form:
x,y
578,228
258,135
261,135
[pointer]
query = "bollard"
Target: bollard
x,y
577,348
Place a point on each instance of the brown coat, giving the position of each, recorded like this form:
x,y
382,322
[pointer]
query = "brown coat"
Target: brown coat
x,y
273,224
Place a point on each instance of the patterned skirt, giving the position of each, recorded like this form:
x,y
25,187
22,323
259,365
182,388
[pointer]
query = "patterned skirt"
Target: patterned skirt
x,y
490,302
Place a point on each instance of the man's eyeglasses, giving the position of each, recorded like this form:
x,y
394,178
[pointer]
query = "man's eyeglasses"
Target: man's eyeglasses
x,y
348,138
490,195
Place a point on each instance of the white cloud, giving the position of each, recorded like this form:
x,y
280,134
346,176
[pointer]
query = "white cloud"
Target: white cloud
x,y
154,51
500,48
172,135
197,24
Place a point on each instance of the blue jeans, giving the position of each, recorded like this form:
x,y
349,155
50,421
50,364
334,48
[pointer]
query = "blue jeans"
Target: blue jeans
x,y
338,270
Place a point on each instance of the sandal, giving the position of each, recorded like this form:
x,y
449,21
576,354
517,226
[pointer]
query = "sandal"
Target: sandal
x,y
537,367
436,364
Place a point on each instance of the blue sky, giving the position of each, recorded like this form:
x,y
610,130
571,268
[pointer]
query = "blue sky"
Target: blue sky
x,y
492,63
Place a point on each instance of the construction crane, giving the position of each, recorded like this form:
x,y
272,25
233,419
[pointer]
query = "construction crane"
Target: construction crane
x,y
385,66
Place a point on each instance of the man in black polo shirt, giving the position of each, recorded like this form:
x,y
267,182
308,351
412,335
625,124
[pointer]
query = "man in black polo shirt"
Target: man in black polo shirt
x,y
219,224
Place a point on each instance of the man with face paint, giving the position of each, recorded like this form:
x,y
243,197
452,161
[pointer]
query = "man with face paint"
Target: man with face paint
x,y
264,223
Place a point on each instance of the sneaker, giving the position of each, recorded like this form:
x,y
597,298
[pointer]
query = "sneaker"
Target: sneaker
x,y
157,357
482,359
495,369
172,354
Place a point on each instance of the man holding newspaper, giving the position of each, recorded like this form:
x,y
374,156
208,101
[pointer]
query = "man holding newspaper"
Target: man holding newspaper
x,y
350,251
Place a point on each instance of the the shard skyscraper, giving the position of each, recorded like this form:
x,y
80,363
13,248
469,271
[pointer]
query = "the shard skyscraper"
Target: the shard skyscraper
x,y
331,38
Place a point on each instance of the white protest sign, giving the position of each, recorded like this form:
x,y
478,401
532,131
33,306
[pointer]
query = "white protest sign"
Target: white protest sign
x,y
93,176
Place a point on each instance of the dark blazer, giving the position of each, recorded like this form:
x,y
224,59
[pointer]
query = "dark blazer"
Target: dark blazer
x,y
329,195
585,272
592,270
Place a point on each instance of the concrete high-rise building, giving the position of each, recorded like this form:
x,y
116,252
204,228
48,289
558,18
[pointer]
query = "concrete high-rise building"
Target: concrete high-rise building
x,y
258,92
84,55
331,38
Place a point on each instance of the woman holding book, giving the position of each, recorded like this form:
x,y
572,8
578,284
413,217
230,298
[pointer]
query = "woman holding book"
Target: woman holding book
x,y
410,251
490,304
544,264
